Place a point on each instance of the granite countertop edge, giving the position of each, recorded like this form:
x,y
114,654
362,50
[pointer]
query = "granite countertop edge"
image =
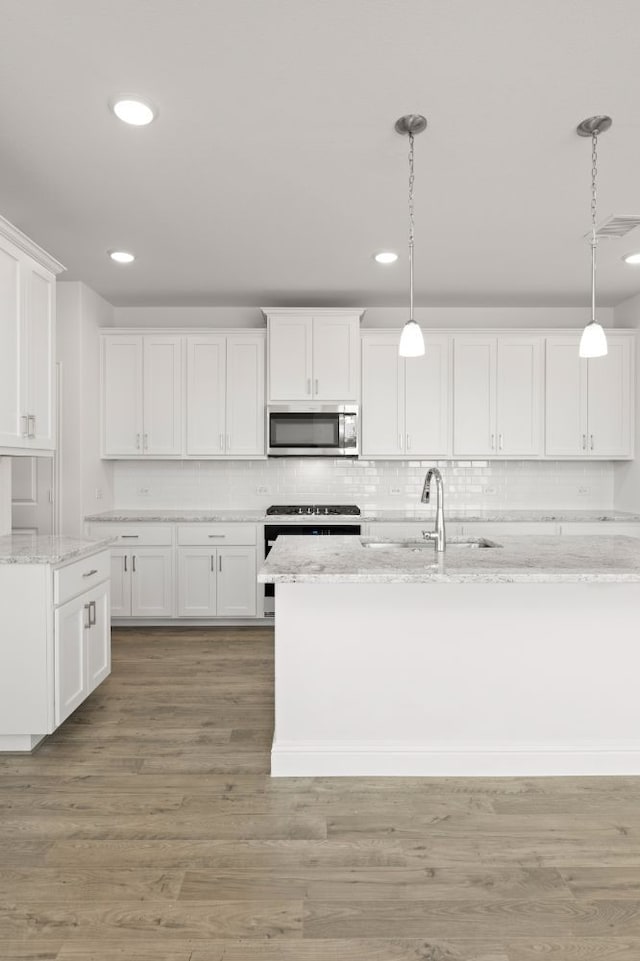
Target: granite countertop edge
x,y
48,549
368,516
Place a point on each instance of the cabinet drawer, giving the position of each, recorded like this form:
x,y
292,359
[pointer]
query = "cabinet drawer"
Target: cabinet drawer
x,y
134,535
216,535
80,576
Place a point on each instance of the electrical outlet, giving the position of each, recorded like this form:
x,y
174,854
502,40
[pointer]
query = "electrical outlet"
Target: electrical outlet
x,y
584,490
144,491
489,490
394,490
262,490
99,493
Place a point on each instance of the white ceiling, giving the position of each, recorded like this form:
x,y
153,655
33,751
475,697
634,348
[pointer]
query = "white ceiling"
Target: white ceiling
x,y
273,171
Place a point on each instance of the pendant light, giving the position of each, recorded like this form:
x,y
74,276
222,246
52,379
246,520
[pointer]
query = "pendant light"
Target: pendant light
x,y
593,342
411,339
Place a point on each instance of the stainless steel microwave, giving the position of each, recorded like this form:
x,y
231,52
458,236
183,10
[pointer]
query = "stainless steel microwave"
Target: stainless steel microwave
x,y
312,430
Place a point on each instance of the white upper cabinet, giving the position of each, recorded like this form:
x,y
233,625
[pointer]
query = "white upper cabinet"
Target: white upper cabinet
x,y
225,395
590,403
497,396
405,402
314,355
141,395
27,343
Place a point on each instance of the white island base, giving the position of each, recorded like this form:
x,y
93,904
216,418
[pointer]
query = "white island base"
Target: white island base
x,y
457,679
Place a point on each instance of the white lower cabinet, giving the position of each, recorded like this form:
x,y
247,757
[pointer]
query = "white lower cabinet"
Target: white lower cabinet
x,y
59,618
217,582
142,582
197,581
82,649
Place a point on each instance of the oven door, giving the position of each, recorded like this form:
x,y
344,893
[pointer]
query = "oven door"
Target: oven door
x,y
320,431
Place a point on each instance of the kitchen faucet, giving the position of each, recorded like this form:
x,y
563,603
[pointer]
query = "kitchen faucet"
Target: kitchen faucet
x,y
436,535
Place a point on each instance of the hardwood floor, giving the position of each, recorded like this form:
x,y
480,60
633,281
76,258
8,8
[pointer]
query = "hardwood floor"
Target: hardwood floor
x,y
148,829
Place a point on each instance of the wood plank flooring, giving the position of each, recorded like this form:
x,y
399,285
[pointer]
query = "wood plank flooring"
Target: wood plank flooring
x,y
148,829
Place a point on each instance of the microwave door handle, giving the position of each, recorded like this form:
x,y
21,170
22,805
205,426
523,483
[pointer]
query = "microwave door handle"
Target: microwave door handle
x,y
341,420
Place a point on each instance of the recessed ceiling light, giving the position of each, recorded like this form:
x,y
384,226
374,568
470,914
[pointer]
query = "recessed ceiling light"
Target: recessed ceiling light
x,y
631,258
121,256
386,257
133,111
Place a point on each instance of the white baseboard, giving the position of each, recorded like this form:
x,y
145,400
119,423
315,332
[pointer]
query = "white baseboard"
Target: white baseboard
x,y
20,742
366,760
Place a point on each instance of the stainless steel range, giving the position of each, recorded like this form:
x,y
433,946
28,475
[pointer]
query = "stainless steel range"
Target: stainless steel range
x,y
320,527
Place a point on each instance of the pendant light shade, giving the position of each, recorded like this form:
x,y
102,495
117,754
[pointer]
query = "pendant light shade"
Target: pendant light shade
x,y
411,339
593,342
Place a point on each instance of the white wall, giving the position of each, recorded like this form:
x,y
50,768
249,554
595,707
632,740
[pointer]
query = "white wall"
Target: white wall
x,y
477,317
627,475
80,315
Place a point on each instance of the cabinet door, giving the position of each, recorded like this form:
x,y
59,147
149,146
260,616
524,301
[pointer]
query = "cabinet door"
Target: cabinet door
x,y
206,413
13,424
566,398
426,381
71,621
162,408
39,296
474,396
121,396
152,582
120,583
336,358
382,420
236,582
609,401
98,638
245,395
197,568
519,396
290,347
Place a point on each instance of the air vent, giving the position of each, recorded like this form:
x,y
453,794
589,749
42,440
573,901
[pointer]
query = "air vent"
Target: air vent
x,y
614,227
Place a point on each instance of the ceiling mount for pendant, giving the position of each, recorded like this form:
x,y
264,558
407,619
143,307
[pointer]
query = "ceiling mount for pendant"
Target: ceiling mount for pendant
x,y
411,123
593,125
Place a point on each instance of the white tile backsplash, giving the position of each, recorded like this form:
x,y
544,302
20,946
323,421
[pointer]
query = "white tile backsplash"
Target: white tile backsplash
x,y
469,485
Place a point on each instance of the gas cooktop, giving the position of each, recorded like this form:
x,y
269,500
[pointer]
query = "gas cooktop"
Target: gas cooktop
x,y
314,509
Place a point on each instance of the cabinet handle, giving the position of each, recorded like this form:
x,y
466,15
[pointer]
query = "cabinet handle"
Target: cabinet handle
x,y
91,572
212,557
592,442
500,441
220,563
408,441
216,535
31,419
221,441
133,563
137,441
317,385
228,441
25,425
493,442
584,441
87,623
129,537
308,385
125,563
93,618
145,441
400,441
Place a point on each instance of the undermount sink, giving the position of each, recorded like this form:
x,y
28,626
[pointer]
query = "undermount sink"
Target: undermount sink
x,y
453,544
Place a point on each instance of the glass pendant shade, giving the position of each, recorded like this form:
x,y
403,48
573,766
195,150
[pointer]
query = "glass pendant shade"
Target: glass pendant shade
x,y
411,340
593,342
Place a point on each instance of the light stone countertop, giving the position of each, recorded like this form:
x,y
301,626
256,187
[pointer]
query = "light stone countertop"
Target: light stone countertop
x,y
420,515
345,559
47,549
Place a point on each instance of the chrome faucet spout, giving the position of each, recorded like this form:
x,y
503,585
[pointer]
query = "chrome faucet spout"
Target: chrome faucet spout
x,y
437,535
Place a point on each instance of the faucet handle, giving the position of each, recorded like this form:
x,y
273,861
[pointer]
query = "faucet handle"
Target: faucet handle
x,y
429,535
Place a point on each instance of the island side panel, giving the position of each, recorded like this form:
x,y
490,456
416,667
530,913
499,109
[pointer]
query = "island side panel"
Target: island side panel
x,y
457,679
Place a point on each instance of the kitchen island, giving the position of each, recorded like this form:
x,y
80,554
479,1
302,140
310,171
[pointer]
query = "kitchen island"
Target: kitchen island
x,y
519,659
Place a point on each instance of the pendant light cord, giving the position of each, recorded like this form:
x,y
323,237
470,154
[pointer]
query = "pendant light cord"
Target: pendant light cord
x,y
411,225
594,239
